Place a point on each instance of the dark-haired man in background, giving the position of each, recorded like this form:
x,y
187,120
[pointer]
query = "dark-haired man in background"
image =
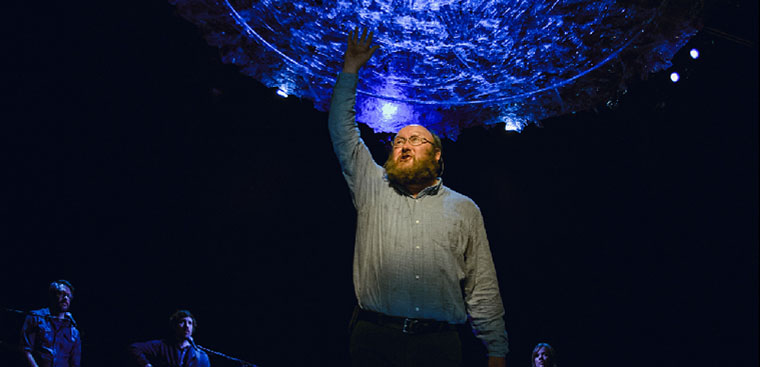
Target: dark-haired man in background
x,y
49,337
422,262
178,350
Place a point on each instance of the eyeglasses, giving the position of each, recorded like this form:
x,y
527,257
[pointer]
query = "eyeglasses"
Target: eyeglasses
x,y
413,140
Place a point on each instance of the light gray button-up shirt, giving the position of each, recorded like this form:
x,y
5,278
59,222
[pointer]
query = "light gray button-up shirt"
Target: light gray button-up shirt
x,y
425,257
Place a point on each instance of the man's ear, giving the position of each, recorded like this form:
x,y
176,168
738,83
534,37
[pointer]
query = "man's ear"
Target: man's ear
x,y
438,155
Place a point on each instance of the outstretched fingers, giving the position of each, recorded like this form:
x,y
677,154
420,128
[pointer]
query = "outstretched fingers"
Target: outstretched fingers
x,y
359,49
364,40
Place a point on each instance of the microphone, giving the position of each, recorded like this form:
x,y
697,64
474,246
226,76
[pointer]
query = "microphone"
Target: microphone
x,y
71,319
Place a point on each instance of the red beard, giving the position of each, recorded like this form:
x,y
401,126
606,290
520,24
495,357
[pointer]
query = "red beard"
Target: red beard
x,y
421,171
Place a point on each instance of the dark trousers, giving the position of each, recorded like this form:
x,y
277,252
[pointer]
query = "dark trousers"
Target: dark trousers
x,y
374,345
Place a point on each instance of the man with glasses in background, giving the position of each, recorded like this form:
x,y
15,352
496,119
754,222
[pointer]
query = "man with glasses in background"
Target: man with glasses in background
x,y
422,262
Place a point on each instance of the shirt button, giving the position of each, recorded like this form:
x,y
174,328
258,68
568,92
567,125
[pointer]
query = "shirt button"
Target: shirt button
x,y
416,308
416,277
417,247
417,221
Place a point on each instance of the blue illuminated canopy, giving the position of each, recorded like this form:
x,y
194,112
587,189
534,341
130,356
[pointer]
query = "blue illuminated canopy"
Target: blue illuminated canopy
x,y
451,64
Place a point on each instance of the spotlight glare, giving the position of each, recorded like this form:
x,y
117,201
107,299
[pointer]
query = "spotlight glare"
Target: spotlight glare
x,y
512,124
281,92
389,110
674,77
694,53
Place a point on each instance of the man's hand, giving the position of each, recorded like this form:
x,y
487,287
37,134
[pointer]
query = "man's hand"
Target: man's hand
x,y
497,362
358,51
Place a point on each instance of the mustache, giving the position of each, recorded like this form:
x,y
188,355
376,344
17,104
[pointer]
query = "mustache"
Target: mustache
x,y
423,169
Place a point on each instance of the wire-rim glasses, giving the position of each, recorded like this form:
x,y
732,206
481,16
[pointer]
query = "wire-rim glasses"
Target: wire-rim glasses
x,y
413,140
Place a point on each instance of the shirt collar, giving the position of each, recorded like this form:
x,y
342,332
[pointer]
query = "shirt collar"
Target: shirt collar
x,y
430,190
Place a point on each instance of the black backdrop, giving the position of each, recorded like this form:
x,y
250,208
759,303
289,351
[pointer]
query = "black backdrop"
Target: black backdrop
x,y
154,178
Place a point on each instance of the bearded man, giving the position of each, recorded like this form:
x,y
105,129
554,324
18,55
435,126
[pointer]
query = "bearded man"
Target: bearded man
x,y
422,262
49,337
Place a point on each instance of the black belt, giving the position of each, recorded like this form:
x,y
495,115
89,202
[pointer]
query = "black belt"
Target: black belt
x,y
405,324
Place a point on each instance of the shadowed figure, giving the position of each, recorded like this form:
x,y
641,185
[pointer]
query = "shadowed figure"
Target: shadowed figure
x,y
49,337
178,350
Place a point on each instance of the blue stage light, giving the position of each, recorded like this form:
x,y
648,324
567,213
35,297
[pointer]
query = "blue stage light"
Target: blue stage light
x,y
450,64
694,53
282,93
389,110
512,126
674,77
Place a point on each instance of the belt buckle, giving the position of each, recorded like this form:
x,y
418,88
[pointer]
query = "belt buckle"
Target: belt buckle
x,y
409,326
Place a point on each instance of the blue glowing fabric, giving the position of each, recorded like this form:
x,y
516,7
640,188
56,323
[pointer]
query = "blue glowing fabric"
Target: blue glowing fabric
x,y
451,64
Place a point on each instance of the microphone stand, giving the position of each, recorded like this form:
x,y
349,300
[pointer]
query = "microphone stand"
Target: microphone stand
x,y
242,362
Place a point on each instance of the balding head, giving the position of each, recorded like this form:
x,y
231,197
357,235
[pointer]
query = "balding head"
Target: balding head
x,y
419,130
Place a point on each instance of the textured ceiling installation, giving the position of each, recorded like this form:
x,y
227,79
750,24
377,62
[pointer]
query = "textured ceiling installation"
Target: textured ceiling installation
x,y
451,64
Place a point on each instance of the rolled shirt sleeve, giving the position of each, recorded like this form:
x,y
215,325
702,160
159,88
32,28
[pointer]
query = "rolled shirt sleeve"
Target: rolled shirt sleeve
x,y
28,334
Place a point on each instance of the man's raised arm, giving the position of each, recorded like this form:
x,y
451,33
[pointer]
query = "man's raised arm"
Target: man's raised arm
x,y
352,153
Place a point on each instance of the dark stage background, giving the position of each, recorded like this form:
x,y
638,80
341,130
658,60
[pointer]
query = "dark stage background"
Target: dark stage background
x,y
154,178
